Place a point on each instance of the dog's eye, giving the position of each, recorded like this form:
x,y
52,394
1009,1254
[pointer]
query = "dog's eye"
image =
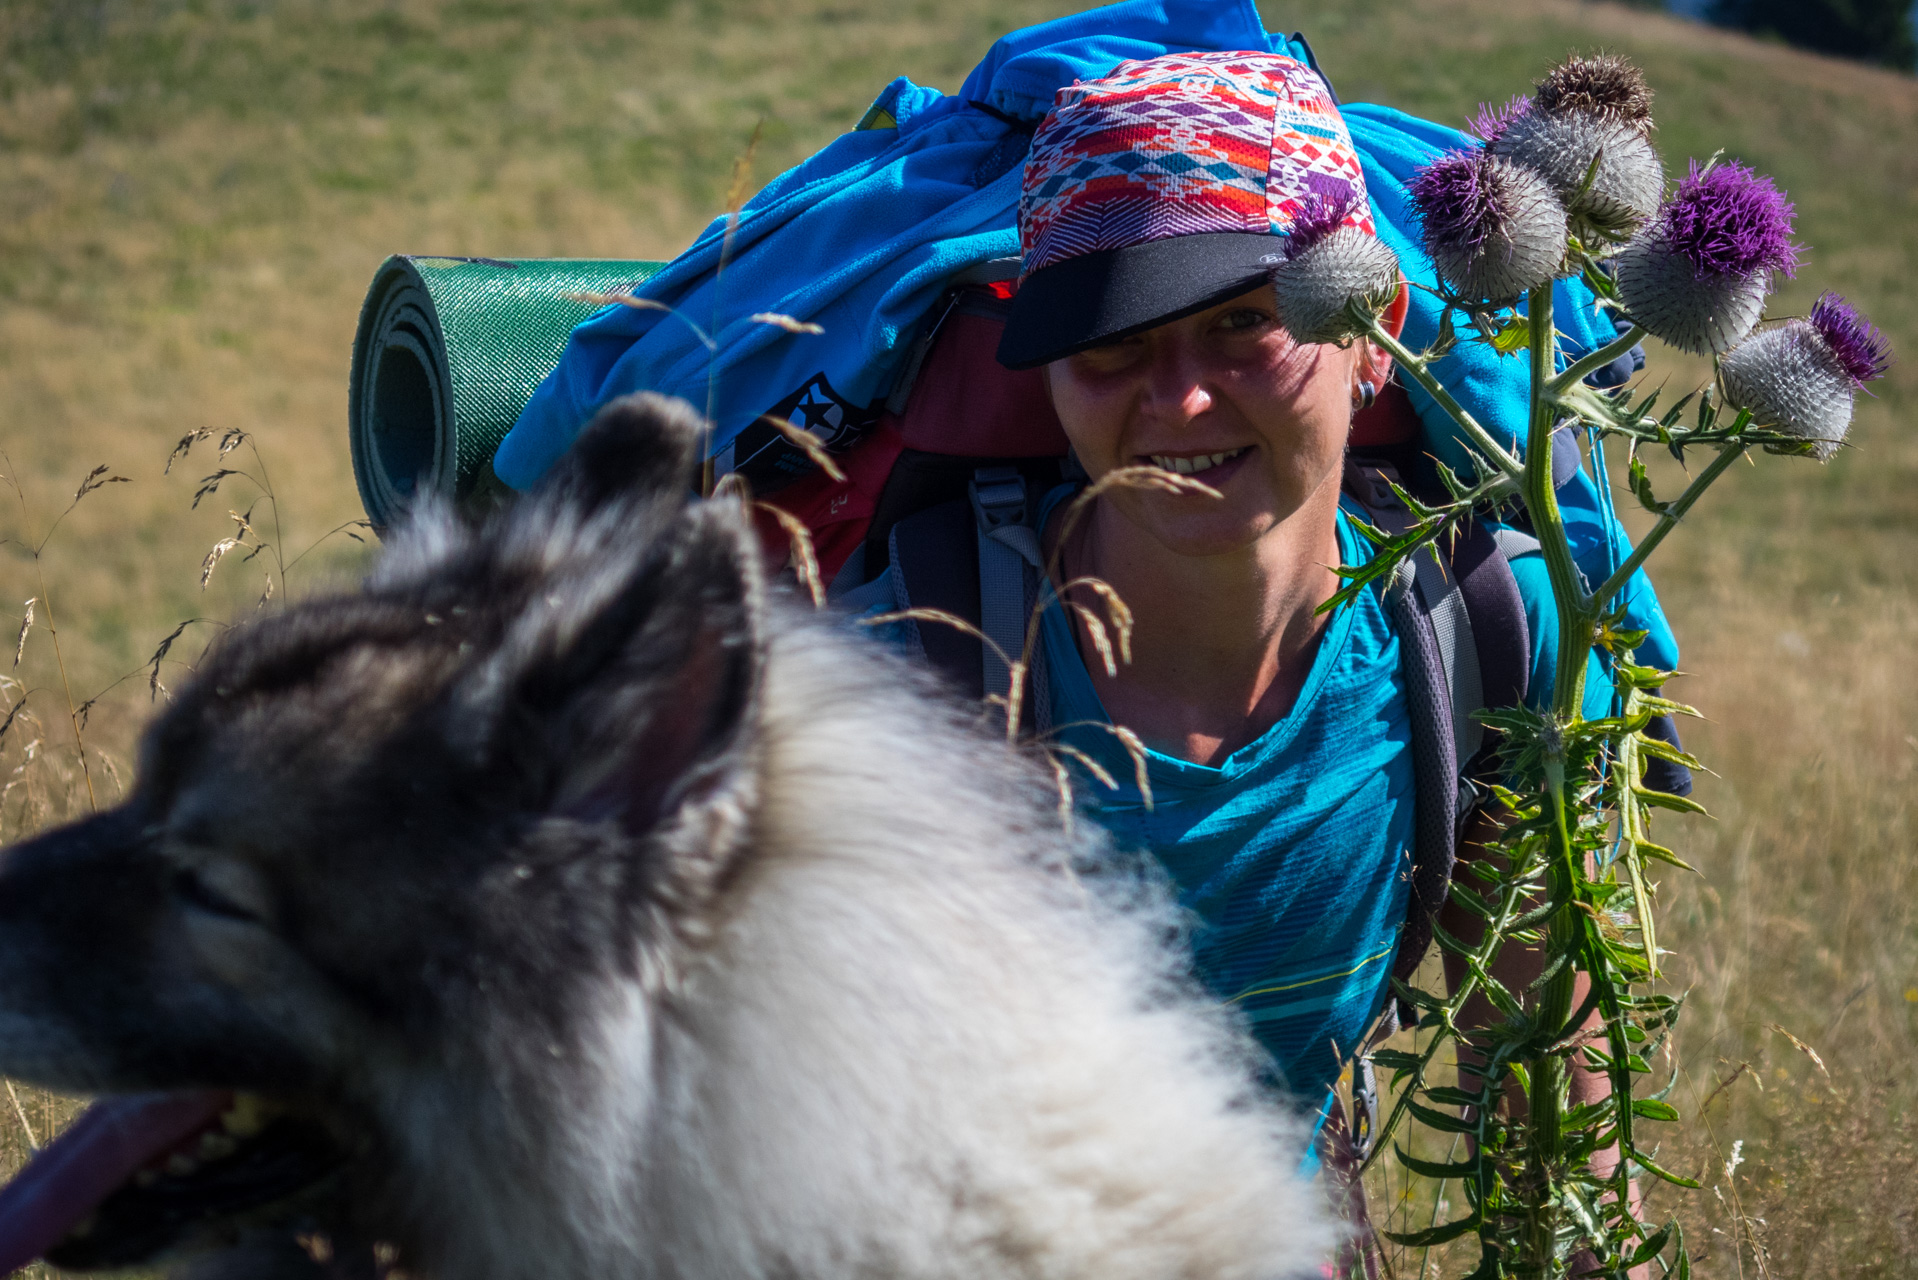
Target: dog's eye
x,y
200,892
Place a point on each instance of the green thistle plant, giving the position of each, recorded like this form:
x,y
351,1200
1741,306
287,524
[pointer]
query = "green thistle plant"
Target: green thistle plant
x,y
1550,1185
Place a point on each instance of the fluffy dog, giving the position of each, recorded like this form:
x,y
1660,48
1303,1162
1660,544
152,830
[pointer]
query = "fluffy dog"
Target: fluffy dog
x,y
567,904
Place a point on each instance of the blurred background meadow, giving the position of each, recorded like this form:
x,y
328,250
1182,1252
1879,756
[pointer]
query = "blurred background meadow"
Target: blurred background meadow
x,y
195,193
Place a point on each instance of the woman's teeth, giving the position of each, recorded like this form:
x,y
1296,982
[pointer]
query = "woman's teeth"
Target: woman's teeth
x,y
1192,466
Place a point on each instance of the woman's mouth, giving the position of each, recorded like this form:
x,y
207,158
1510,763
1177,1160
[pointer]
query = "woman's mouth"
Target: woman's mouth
x,y
1194,464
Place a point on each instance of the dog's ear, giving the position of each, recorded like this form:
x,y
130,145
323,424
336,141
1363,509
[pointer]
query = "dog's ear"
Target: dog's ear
x,y
625,686
639,446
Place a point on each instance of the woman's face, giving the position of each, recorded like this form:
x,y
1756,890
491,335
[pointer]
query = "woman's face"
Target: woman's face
x,y
1224,394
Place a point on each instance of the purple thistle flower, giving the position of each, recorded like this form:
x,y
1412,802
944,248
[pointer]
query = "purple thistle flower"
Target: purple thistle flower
x,y
1862,351
1698,276
1729,221
1317,219
1491,122
1794,383
1493,227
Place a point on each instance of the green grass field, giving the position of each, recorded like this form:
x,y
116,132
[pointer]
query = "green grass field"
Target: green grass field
x,y
194,194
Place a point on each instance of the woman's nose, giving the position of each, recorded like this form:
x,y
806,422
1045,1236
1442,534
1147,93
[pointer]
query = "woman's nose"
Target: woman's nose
x,y
1177,390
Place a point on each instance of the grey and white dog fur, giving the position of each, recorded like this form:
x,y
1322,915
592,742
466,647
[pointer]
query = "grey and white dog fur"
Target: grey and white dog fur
x,y
616,916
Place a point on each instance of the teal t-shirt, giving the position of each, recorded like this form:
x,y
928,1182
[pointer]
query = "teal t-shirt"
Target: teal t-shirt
x,y
1293,854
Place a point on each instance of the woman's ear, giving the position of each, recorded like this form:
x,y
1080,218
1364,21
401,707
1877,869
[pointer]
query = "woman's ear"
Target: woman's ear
x,y
1375,363
1393,318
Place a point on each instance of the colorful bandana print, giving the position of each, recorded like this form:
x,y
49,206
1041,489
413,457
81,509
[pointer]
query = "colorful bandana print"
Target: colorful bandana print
x,y
1182,145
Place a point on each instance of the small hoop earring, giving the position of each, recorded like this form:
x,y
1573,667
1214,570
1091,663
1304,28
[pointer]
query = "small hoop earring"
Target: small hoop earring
x,y
1368,395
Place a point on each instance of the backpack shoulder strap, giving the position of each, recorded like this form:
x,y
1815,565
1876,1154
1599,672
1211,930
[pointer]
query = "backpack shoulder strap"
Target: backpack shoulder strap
x,y
1009,564
1464,645
977,559
934,556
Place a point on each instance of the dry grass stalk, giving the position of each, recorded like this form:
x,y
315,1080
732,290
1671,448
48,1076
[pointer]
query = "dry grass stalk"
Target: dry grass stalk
x,y
788,323
1086,762
26,1126
615,300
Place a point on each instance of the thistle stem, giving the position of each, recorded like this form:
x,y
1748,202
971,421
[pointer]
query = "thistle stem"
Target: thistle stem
x,y
1415,365
1577,371
1549,1076
1575,613
1674,512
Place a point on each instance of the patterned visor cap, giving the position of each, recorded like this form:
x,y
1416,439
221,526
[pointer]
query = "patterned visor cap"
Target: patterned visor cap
x,y
1154,193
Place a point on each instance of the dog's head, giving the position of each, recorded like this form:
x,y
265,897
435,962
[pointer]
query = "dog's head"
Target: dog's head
x,y
389,836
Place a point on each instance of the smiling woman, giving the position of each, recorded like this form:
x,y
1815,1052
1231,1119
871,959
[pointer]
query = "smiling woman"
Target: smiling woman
x,y
1270,749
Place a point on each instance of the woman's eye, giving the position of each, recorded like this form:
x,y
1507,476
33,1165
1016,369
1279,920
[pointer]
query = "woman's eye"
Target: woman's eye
x,y
1240,319
1109,356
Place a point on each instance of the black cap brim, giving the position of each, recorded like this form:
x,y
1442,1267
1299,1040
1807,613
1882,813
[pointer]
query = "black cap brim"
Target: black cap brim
x,y
1112,293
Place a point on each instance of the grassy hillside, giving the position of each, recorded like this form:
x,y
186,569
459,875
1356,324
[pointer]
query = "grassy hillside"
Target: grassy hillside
x,y
194,193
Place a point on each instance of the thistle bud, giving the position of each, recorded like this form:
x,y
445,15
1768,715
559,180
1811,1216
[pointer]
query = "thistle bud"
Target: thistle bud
x,y
1698,276
1493,228
1624,188
1800,377
1603,85
1328,266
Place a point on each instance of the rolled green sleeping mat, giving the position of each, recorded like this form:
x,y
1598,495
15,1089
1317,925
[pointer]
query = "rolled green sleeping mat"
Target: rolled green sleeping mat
x,y
447,354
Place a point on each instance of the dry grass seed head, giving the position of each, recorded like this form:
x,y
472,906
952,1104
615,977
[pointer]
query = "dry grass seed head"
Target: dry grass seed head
x,y
18,711
1136,750
97,479
1063,782
185,447
210,485
213,558
808,442
1118,612
1096,630
1803,1048
154,687
26,625
805,562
